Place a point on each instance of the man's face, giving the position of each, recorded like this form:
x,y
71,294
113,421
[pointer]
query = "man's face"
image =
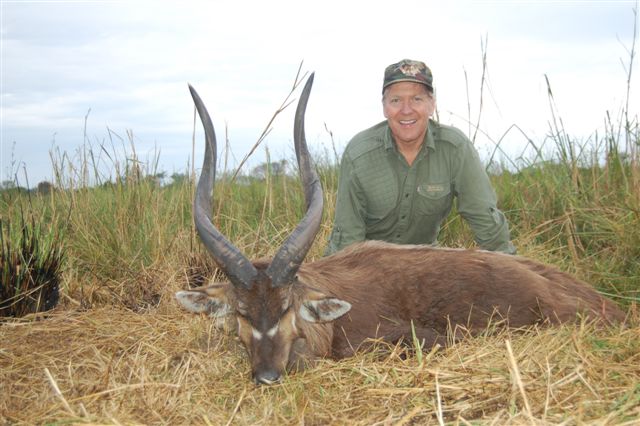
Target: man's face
x,y
407,107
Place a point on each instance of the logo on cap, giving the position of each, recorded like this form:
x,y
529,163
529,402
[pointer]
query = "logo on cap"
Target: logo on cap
x,y
408,70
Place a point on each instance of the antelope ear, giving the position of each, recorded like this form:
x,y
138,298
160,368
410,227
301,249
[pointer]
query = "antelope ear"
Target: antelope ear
x,y
323,309
210,300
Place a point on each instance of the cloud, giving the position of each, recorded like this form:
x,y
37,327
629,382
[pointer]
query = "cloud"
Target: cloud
x,y
130,62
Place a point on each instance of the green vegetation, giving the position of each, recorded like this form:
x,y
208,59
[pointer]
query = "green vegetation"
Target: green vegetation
x,y
30,262
119,350
124,238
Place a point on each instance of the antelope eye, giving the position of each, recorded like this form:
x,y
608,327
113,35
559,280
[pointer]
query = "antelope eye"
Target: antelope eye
x,y
286,301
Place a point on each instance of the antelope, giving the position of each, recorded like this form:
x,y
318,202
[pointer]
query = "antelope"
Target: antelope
x,y
289,313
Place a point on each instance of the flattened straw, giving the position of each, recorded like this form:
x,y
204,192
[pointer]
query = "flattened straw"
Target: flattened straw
x,y
58,393
83,410
516,376
548,395
593,392
237,407
464,421
439,400
115,422
124,388
410,415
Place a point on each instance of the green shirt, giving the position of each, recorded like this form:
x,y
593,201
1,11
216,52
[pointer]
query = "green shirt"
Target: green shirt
x,y
381,197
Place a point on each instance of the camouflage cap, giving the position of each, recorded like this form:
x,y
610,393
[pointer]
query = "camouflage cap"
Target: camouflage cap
x,y
408,70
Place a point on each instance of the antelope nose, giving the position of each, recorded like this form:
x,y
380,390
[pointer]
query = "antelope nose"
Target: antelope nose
x,y
267,377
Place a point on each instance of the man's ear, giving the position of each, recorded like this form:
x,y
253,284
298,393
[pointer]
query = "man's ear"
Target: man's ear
x,y
319,308
210,300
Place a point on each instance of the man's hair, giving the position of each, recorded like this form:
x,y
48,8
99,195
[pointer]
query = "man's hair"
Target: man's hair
x,y
427,90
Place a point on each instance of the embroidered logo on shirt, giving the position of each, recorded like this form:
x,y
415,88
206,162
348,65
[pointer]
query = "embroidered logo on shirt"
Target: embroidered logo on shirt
x,y
432,188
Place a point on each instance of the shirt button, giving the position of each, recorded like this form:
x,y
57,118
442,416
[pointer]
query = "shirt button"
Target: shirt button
x,y
402,217
406,195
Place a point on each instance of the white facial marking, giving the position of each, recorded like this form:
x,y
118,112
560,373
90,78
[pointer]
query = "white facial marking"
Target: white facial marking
x,y
256,334
272,331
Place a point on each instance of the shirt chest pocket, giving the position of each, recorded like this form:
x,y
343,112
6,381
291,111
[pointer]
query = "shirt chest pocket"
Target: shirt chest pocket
x,y
434,199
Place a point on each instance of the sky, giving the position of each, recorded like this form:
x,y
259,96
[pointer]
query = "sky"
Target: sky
x,y
109,78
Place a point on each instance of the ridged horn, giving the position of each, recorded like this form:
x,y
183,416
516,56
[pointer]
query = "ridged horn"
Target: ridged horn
x,y
238,268
289,257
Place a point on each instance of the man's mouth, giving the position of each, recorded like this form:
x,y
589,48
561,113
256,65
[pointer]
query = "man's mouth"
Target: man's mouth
x,y
407,122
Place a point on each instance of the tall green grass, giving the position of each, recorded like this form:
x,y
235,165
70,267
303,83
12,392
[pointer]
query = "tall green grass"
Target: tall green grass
x,y
125,239
128,238
31,259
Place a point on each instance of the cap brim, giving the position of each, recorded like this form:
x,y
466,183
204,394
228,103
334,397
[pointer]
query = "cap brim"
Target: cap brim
x,y
413,80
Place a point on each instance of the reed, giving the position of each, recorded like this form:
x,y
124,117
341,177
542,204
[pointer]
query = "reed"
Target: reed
x,y
31,259
118,350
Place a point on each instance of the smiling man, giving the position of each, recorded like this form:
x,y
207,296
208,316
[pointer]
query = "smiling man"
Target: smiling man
x,y
398,179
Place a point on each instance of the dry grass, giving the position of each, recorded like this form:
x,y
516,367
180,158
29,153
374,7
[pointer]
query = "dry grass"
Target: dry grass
x,y
115,366
119,351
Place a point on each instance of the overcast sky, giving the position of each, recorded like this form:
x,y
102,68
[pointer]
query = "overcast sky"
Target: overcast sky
x,y
129,62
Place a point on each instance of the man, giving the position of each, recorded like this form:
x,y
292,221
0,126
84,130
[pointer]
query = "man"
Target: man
x,y
399,177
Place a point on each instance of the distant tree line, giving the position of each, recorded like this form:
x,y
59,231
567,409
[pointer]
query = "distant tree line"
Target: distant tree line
x,y
259,172
44,187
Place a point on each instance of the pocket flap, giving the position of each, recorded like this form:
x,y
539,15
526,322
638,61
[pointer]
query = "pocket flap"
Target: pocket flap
x,y
434,190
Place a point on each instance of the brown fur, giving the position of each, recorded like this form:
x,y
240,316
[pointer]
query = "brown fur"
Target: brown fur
x,y
371,289
396,292
390,286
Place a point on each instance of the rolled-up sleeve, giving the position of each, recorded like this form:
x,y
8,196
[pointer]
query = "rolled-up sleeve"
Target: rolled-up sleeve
x,y
477,203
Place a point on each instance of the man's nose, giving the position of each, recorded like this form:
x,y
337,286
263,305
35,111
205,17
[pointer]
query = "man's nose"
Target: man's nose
x,y
406,107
